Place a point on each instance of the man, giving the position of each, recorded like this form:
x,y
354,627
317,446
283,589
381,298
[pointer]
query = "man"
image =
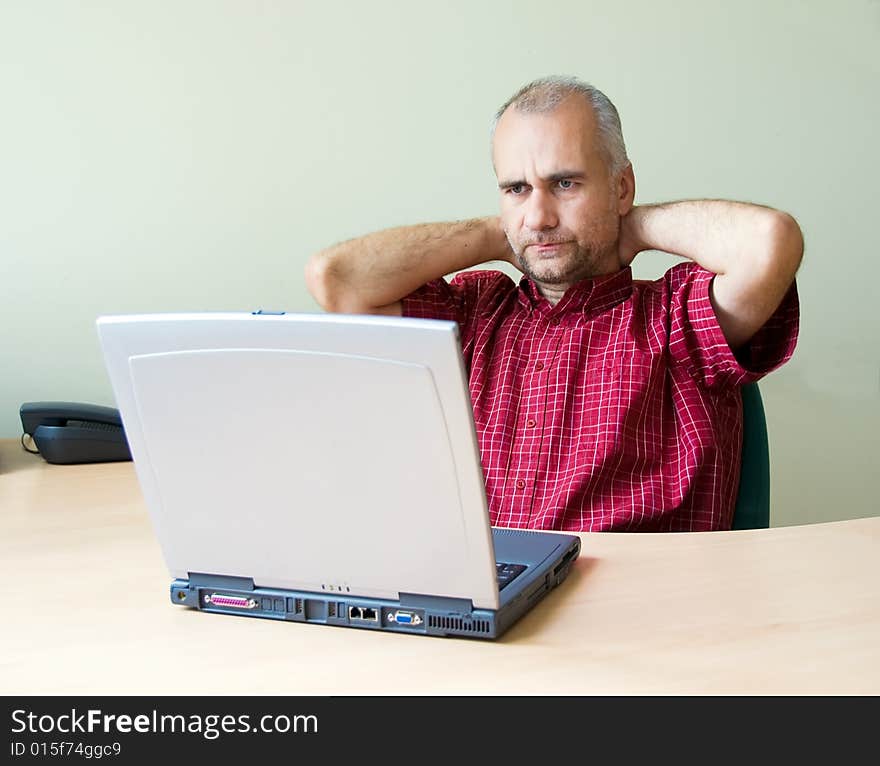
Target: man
x,y
601,403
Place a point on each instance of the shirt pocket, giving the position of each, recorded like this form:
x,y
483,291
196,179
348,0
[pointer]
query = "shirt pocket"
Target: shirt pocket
x,y
625,399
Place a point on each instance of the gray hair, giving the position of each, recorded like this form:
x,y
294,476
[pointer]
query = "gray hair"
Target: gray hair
x,y
545,94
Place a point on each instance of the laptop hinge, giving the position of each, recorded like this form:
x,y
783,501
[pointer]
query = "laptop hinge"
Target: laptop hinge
x,y
440,603
201,580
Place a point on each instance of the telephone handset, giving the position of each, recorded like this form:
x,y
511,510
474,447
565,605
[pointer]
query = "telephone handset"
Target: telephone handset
x,y
68,432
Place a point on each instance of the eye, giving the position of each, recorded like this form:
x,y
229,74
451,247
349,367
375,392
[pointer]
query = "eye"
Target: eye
x,y
516,189
566,183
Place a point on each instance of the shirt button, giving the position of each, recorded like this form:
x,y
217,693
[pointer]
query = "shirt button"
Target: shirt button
x,y
554,321
539,366
530,422
520,484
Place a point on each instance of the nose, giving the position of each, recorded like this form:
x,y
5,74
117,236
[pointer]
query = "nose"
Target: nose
x,y
540,213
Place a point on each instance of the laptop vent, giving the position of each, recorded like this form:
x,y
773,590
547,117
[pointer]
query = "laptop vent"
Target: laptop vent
x,y
458,624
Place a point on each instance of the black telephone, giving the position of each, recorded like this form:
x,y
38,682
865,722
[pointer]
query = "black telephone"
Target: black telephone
x,y
67,432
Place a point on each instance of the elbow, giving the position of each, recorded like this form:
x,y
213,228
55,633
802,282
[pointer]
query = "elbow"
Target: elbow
x,y
788,241
319,276
333,282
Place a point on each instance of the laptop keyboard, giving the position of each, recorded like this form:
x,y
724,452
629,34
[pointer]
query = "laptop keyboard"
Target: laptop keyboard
x,y
506,573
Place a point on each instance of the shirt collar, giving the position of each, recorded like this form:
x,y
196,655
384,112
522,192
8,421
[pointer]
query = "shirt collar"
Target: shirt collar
x,y
589,296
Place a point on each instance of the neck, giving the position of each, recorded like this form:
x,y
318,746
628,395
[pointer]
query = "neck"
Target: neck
x,y
554,292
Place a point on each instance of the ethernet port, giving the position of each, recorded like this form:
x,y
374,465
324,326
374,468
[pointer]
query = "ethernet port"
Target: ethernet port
x,y
354,613
369,614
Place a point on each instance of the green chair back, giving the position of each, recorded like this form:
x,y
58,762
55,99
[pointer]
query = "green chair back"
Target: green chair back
x,y
752,509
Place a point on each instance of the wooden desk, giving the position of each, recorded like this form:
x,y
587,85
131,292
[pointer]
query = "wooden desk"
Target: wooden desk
x,y
794,610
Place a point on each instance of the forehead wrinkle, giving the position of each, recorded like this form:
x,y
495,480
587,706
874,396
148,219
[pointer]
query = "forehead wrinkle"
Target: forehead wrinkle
x,y
535,147
551,178
564,138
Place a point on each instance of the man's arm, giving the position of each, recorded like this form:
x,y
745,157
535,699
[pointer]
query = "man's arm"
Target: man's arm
x,y
373,273
754,252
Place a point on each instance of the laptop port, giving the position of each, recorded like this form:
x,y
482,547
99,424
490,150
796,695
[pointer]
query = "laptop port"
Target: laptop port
x,y
404,618
236,602
565,559
363,614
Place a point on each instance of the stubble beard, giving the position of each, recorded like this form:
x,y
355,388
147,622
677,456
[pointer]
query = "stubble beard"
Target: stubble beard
x,y
580,262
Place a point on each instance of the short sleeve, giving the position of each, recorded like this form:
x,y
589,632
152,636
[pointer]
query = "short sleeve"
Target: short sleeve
x,y
463,300
697,340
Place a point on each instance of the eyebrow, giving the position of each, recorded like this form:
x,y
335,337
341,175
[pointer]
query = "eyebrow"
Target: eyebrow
x,y
562,174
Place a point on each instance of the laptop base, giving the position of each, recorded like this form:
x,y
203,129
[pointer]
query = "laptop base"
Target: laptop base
x,y
412,613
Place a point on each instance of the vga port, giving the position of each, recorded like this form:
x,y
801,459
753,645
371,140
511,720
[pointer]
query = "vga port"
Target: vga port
x,y
402,617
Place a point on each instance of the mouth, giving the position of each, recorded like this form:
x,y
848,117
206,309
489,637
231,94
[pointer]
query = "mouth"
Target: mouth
x,y
546,248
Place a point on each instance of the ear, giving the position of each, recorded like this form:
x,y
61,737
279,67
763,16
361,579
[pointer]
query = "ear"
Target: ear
x,y
626,190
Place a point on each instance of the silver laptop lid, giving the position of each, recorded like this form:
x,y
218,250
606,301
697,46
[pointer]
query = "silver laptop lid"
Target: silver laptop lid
x,y
307,451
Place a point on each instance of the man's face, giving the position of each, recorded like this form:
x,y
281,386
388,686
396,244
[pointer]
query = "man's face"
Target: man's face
x,y
560,207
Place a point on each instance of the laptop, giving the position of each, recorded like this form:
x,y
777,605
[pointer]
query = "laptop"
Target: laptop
x,y
321,468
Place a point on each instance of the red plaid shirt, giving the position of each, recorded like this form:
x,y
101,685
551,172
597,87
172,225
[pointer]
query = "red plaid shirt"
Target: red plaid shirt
x,y
616,409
